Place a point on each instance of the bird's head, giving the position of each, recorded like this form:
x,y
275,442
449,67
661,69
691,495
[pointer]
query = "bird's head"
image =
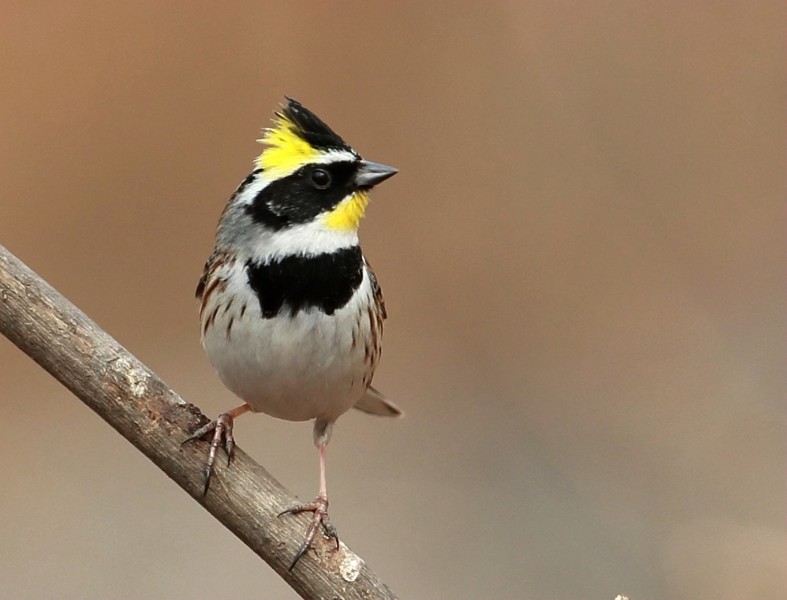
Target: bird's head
x,y
308,174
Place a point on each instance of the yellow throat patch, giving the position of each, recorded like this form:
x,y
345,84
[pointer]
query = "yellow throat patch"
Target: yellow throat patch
x,y
286,151
349,212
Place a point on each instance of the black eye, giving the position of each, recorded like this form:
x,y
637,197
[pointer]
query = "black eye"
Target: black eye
x,y
321,178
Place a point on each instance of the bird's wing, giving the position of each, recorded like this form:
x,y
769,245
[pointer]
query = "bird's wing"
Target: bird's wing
x,y
203,280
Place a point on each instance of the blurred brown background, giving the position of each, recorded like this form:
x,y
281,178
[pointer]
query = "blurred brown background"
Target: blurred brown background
x,y
583,258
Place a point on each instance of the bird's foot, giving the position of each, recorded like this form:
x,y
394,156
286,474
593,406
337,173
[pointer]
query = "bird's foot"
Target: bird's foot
x,y
222,435
319,508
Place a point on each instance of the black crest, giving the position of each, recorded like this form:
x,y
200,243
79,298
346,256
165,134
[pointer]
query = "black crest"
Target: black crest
x,y
312,129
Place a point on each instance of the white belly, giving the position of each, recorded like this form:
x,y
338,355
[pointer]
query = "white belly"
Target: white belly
x,y
307,366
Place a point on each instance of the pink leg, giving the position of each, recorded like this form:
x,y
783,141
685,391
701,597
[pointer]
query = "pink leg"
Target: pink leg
x,y
319,506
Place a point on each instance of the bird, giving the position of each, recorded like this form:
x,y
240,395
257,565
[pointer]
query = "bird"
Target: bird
x,y
291,313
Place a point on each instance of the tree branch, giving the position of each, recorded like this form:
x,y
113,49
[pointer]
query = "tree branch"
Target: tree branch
x,y
144,410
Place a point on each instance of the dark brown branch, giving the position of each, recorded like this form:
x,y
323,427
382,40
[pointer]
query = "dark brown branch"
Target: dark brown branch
x,y
144,410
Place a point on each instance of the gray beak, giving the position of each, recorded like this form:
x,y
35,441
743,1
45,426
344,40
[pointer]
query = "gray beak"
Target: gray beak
x,y
370,174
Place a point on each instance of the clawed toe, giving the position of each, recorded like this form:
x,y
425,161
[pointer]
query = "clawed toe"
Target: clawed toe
x,y
320,519
222,436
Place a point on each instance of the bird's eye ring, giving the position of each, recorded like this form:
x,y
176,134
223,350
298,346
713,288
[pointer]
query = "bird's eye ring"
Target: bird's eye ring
x,y
321,178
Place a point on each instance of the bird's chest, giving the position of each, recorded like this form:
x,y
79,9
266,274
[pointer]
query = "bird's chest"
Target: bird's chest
x,y
286,350
295,284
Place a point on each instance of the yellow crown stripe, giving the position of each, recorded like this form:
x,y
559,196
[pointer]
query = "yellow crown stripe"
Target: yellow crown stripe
x,y
285,151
